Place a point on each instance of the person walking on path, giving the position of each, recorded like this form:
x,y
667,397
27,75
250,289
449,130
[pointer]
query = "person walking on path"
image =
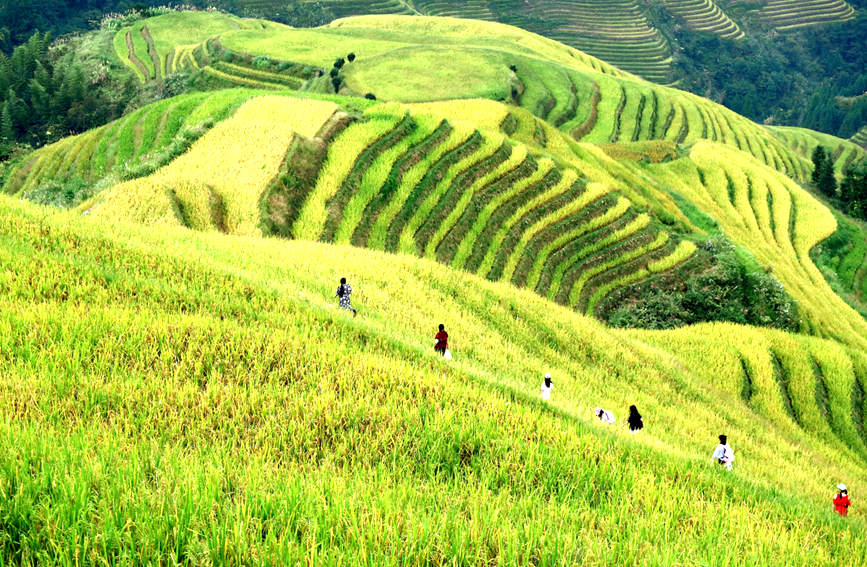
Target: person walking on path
x,y
604,416
723,454
841,500
547,385
442,340
343,293
634,420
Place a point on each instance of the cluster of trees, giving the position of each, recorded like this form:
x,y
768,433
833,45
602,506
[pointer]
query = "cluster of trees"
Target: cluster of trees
x,y
851,195
336,79
48,91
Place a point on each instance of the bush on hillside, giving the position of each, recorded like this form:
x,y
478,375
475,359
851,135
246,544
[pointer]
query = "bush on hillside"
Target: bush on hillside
x,y
718,285
61,194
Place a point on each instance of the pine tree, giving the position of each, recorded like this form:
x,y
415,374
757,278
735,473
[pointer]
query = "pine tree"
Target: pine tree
x,y
823,172
7,128
819,157
7,133
827,181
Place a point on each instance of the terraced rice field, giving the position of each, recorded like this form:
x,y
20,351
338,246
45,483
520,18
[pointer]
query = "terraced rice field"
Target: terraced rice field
x,y
705,15
794,14
860,137
615,31
344,8
150,47
843,152
418,182
777,220
563,86
132,139
117,149
190,365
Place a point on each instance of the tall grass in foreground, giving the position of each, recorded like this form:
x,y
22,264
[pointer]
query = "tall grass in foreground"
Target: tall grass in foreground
x,y
179,397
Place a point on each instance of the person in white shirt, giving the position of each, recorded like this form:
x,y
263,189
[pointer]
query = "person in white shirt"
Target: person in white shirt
x,y
547,386
723,454
604,416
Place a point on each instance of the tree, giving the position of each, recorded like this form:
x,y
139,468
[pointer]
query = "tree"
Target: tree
x,y
823,172
7,132
339,62
853,191
819,158
7,135
350,57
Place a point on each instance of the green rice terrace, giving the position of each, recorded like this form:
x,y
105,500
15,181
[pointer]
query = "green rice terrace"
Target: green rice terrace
x,y
179,385
618,31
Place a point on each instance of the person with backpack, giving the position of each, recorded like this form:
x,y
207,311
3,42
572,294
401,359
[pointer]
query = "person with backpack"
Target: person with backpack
x,y
342,295
604,416
634,421
723,454
547,386
442,341
841,500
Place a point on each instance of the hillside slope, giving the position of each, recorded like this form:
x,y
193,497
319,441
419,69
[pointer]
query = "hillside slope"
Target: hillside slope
x,y
445,58
211,378
467,183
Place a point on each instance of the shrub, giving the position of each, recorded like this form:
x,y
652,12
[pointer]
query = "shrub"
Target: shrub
x,y
61,194
370,96
261,62
726,287
350,57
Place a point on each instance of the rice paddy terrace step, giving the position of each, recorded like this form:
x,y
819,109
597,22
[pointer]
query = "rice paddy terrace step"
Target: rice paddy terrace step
x,y
475,200
793,14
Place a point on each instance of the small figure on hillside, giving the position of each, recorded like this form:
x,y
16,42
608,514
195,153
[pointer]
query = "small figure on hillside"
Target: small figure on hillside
x,y
634,420
724,455
442,342
547,386
604,416
343,293
841,500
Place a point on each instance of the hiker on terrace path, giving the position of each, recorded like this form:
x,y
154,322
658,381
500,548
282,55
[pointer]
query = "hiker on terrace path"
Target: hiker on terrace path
x,y
442,340
343,293
723,454
841,500
547,386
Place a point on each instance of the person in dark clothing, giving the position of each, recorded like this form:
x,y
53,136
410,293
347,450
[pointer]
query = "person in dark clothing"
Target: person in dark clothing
x,y
342,295
442,340
634,420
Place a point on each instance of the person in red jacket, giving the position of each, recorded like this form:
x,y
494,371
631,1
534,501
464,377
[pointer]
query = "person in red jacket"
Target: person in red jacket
x,y
442,340
841,501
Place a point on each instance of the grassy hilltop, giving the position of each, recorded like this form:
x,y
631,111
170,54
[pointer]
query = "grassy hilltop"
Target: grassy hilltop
x,y
179,386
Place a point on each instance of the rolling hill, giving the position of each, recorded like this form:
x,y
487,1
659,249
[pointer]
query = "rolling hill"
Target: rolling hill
x,y
180,387
620,31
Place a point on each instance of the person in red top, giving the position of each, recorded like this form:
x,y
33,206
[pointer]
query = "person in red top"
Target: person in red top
x,y
442,339
841,501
